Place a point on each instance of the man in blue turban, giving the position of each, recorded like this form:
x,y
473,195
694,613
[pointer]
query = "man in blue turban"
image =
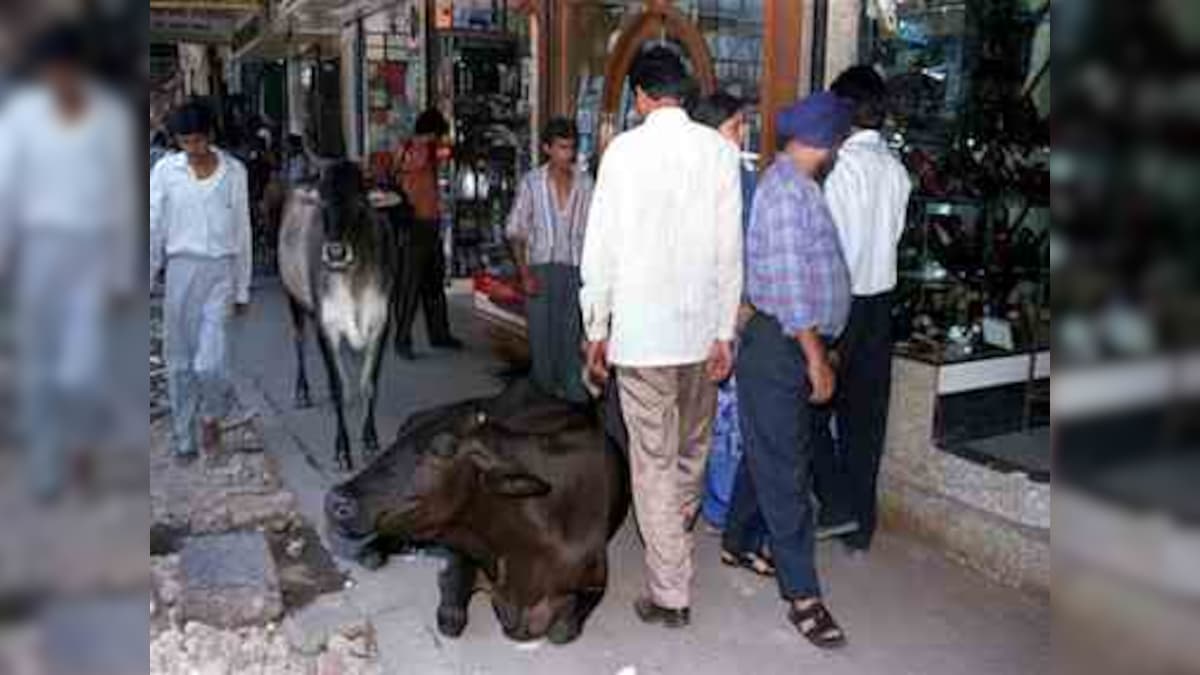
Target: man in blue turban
x,y
797,281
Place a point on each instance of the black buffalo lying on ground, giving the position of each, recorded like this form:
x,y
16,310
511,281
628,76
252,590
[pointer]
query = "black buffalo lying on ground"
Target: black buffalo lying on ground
x,y
521,487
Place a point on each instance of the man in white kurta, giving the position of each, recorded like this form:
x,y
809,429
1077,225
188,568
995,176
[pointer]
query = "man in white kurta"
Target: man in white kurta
x,y
200,231
68,215
662,280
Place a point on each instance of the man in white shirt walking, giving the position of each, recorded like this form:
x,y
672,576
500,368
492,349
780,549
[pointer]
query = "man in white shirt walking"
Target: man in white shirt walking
x,y
662,279
68,219
867,192
200,231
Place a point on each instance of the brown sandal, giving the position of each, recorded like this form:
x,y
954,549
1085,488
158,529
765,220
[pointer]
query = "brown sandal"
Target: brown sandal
x,y
749,560
816,623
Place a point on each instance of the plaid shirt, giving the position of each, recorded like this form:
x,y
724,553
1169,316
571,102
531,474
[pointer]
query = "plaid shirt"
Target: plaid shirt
x,y
795,271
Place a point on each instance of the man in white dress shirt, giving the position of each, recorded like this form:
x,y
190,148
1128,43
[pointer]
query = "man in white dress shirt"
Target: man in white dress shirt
x,y
68,219
200,231
867,192
662,280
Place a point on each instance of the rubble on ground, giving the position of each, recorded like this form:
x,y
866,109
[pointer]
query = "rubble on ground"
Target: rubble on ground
x,y
238,574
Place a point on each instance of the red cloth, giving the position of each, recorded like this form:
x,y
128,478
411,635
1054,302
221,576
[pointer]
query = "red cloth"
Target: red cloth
x,y
394,75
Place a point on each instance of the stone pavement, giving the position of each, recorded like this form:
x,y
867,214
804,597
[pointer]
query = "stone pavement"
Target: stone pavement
x,y
906,608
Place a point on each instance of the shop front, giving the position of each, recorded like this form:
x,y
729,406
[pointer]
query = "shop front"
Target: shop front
x,y
968,458
968,453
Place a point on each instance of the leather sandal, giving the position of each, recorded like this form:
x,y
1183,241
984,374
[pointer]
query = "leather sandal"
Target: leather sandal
x,y
817,625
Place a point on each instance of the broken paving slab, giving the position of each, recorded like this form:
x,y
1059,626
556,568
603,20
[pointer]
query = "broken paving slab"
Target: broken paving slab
x,y
229,580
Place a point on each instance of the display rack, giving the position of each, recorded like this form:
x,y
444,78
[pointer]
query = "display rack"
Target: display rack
x,y
482,87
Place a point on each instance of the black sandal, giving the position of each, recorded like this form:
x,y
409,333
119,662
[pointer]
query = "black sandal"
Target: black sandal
x,y
816,623
759,564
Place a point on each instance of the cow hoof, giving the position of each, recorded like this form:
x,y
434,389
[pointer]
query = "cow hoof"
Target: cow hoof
x,y
344,463
452,621
370,447
303,400
563,632
372,558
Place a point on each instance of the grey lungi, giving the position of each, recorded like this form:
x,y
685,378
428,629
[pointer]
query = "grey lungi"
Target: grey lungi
x,y
556,331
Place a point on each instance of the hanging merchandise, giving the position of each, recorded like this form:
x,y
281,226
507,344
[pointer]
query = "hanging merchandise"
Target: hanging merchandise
x,y
480,87
886,13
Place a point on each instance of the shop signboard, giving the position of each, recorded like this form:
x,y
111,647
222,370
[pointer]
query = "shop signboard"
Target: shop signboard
x,y
187,26
207,5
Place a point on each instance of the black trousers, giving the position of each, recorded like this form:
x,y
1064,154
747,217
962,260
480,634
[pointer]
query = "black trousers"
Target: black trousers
x,y
422,277
847,472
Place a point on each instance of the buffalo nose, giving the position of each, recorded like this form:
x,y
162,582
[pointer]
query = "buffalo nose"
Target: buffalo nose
x,y
341,507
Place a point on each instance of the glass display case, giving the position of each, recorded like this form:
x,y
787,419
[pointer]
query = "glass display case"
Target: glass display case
x,y
973,296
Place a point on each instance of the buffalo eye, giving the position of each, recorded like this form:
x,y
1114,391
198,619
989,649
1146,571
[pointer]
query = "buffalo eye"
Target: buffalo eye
x,y
443,445
514,484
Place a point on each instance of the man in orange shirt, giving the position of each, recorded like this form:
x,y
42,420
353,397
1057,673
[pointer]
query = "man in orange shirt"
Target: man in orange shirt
x,y
423,267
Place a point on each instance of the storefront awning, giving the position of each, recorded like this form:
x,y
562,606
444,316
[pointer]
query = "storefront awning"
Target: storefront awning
x,y
258,38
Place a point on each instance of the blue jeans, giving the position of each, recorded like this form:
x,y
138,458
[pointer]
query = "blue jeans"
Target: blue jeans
x,y
779,431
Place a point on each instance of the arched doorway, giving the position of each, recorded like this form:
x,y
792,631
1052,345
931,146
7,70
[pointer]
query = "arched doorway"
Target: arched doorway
x,y
658,22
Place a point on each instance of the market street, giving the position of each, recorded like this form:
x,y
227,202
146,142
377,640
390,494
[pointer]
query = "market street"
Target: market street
x,y
907,608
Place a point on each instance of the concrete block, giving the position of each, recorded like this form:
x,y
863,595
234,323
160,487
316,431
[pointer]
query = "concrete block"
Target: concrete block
x,y
309,630
229,580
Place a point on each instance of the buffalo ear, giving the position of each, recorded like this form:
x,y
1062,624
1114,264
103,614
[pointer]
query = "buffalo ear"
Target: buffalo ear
x,y
503,477
515,484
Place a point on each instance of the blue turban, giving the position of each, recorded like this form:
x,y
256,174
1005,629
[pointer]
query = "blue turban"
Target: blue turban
x,y
818,121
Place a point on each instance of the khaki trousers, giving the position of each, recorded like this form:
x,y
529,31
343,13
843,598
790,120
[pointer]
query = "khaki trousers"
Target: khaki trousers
x,y
669,413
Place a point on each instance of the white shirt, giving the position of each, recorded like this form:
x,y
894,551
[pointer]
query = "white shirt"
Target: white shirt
x,y
662,258
868,193
70,177
208,218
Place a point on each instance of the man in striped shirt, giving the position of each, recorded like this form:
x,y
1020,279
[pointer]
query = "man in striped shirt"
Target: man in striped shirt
x,y
546,230
796,278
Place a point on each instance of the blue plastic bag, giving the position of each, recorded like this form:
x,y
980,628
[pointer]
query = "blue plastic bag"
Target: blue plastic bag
x,y
724,457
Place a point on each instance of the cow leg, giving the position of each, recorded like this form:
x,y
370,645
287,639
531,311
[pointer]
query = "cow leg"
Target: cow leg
x,y
302,397
369,386
456,583
569,625
334,371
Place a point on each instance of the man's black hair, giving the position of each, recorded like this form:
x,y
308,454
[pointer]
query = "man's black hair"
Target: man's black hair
x,y
431,122
559,127
193,117
60,43
716,109
660,73
863,87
